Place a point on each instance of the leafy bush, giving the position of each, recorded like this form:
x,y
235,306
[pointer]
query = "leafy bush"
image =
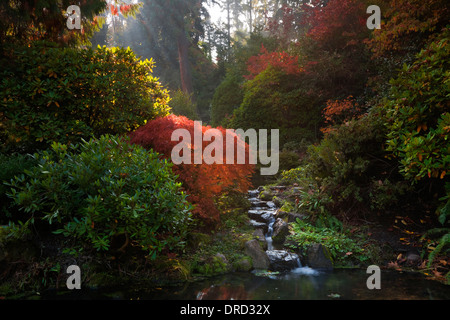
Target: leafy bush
x,y
338,112
182,105
273,100
292,176
65,94
418,113
347,170
203,182
12,165
227,97
339,243
102,190
288,160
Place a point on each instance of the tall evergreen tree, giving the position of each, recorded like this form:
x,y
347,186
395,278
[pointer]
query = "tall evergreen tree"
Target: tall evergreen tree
x,y
174,22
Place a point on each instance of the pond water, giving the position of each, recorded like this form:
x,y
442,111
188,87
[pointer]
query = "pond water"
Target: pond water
x,y
306,284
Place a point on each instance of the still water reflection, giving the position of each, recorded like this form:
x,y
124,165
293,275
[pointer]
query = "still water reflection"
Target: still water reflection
x,y
337,284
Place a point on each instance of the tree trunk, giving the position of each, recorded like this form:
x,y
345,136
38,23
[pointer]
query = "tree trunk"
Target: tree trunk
x,y
183,60
251,17
229,24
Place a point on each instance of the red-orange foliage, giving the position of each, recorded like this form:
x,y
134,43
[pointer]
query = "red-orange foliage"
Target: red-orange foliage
x,y
405,19
282,60
115,10
202,182
338,112
339,24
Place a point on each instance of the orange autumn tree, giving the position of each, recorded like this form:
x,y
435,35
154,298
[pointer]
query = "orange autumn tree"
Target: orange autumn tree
x,y
280,60
338,112
202,182
406,26
338,25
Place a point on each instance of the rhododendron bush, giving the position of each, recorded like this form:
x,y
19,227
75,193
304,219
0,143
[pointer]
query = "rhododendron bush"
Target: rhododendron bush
x,y
203,182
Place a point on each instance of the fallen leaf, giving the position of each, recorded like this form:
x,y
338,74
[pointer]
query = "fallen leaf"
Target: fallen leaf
x,y
394,265
437,273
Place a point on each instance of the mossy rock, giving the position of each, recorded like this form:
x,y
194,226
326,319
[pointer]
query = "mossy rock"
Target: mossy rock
x,y
288,206
210,266
280,231
266,195
243,264
277,201
319,257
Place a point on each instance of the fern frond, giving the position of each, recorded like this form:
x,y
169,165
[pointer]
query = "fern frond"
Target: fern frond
x,y
445,240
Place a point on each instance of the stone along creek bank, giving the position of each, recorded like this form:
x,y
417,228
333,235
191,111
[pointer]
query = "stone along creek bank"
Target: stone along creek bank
x,y
267,251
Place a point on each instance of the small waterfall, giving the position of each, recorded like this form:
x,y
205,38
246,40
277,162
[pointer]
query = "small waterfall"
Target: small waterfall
x,y
304,270
264,212
299,264
269,234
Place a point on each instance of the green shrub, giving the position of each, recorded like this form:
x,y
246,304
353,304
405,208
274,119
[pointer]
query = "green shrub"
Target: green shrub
x,y
292,176
274,100
103,190
227,97
182,105
418,113
65,94
288,160
339,243
348,171
12,165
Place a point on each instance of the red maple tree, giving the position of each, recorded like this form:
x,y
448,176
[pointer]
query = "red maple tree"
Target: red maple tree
x,y
339,24
202,182
338,112
282,60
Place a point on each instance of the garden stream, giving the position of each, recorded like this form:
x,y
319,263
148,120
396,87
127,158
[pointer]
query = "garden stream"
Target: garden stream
x,y
296,283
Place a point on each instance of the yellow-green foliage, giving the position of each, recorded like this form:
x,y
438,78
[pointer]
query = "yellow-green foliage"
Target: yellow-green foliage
x,y
183,105
48,93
